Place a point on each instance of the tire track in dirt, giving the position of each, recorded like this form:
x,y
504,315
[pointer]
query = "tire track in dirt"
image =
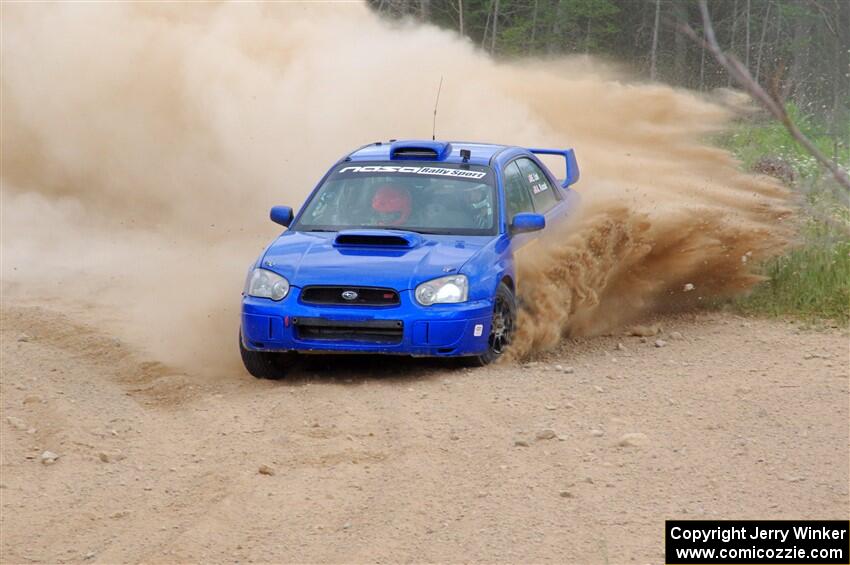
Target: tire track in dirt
x,y
151,382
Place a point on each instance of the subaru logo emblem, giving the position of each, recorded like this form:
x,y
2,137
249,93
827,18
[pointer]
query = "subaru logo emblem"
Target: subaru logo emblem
x,y
349,295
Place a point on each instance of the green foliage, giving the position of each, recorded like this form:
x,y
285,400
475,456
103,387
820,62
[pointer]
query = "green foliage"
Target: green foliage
x,y
515,40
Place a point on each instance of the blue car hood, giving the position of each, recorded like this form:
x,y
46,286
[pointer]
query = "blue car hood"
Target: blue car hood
x,y
311,258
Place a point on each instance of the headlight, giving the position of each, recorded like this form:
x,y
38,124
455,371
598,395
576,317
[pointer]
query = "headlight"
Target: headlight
x,y
445,290
266,284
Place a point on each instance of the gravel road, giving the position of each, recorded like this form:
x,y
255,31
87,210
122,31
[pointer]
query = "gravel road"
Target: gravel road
x,y
578,457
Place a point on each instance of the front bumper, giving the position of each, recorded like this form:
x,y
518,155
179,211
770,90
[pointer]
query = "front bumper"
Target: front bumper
x,y
443,330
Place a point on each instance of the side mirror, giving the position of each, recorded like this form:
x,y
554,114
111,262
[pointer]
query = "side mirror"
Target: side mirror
x,y
281,215
526,222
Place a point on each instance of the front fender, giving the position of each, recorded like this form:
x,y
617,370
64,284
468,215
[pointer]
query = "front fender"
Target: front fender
x,y
487,269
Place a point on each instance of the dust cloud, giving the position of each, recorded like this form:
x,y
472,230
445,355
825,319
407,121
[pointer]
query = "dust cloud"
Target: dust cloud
x,y
668,221
142,145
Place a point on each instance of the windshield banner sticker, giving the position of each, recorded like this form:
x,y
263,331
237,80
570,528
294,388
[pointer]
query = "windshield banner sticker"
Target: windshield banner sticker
x,y
437,171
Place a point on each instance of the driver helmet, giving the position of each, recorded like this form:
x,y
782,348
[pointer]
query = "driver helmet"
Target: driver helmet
x,y
392,204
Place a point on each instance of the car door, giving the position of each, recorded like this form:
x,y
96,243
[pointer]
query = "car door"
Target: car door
x,y
519,197
546,196
517,200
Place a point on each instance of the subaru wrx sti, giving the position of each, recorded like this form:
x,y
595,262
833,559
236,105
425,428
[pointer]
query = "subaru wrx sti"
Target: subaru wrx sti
x,y
403,248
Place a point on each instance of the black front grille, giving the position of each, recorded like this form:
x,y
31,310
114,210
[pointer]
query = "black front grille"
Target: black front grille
x,y
362,331
341,295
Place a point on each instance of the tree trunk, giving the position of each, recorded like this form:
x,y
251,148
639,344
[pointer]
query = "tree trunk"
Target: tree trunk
x,y
424,10
799,63
779,66
841,83
680,55
495,26
531,41
487,25
732,35
747,36
555,43
460,16
761,41
653,56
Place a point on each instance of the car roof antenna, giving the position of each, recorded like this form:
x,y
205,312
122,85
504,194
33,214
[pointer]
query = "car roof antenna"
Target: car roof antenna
x,y
436,102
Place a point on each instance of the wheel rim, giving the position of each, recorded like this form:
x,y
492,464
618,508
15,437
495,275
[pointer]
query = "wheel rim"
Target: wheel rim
x,y
502,326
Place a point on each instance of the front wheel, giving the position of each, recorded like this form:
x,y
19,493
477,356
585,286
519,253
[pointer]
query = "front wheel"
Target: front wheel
x,y
502,327
265,364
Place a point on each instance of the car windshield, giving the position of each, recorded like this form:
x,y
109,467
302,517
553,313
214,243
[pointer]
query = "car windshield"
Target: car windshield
x,y
416,196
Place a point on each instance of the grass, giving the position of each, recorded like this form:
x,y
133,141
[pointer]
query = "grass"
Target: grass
x,y
812,281
753,139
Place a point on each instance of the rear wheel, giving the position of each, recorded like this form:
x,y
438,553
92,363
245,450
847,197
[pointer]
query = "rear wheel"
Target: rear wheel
x,y
265,364
502,327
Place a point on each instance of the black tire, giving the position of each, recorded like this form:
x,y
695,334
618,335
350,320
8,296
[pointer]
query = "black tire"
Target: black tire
x,y
502,327
265,364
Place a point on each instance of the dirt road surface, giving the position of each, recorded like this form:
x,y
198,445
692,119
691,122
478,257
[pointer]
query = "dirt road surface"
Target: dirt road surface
x,y
386,461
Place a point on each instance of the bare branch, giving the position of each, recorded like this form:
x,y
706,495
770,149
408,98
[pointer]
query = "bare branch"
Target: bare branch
x,y
742,76
825,12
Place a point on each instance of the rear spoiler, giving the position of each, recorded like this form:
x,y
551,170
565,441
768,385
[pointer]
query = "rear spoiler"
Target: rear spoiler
x,y
570,157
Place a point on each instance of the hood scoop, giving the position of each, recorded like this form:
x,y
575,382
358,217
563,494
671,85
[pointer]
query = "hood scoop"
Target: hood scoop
x,y
377,238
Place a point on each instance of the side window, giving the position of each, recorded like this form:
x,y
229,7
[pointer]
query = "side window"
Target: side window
x,y
541,190
516,192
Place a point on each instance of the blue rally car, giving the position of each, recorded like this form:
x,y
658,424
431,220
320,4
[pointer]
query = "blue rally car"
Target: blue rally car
x,y
404,247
